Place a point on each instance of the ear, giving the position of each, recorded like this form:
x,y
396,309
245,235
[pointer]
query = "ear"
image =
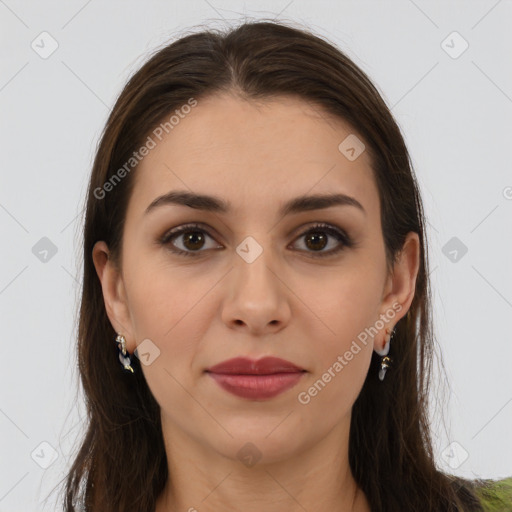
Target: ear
x,y
400,286
114,293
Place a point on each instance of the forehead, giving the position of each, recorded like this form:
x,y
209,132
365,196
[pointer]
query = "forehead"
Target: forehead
x,y
251,152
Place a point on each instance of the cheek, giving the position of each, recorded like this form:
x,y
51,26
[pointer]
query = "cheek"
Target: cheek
x,y
170,311
347,303
331,394
161,297
342,354
172,308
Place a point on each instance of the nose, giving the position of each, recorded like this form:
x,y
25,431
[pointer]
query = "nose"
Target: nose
x,y
257,298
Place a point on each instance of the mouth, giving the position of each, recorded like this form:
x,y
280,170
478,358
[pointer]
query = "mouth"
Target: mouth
x,y
256,379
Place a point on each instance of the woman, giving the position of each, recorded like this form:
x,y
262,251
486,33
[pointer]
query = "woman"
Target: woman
x,y
255,327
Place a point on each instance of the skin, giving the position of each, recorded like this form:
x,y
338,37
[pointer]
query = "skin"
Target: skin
x,y
202,310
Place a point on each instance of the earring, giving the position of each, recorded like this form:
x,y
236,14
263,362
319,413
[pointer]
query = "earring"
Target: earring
x,y
124,356
386,361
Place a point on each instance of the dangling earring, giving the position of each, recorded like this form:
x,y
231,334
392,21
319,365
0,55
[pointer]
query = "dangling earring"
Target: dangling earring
x,y
386,361
124,356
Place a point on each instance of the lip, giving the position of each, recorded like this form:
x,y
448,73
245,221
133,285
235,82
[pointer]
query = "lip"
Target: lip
x,y
263,366
256,379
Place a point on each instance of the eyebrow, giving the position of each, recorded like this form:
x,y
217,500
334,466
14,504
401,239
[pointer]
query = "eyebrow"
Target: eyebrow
x,y
218,205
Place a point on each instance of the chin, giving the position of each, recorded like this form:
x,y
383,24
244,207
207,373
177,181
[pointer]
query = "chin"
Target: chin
x,y
257,446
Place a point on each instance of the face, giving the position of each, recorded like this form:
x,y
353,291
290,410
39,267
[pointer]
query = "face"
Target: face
x,y
253,281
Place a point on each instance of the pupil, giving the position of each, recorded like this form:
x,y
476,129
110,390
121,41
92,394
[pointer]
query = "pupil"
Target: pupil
x,y
195,237
316,237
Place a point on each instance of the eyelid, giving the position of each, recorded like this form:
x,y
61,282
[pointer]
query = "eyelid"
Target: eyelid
x,y
333,231
166,238
183,228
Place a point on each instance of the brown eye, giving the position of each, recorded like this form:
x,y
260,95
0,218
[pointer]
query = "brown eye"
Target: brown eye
x,y
318,237
193,240
316,241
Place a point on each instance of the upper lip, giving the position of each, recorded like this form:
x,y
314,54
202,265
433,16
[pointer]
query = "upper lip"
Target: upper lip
x,y
263,366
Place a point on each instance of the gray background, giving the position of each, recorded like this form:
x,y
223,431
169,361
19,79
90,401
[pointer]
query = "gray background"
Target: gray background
x,y
455,110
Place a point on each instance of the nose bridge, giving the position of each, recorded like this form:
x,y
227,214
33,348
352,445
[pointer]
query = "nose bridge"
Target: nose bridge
x,y
257,297
255,265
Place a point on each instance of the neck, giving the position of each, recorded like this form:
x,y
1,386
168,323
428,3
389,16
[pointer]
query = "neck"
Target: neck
x,y
272,497
201,479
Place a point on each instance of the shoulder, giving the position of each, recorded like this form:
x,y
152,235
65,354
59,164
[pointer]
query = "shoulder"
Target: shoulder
x,y
494,495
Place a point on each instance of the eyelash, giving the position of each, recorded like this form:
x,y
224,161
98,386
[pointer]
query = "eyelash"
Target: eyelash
x,y
340,235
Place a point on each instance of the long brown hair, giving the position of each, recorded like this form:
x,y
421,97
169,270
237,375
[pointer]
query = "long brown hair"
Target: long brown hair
x,y
121,463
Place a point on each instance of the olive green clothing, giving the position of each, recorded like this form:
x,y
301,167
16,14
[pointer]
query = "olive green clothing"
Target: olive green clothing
x,y
495,495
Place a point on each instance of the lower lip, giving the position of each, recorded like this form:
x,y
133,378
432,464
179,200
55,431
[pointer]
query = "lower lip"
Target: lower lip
x,y
256,386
